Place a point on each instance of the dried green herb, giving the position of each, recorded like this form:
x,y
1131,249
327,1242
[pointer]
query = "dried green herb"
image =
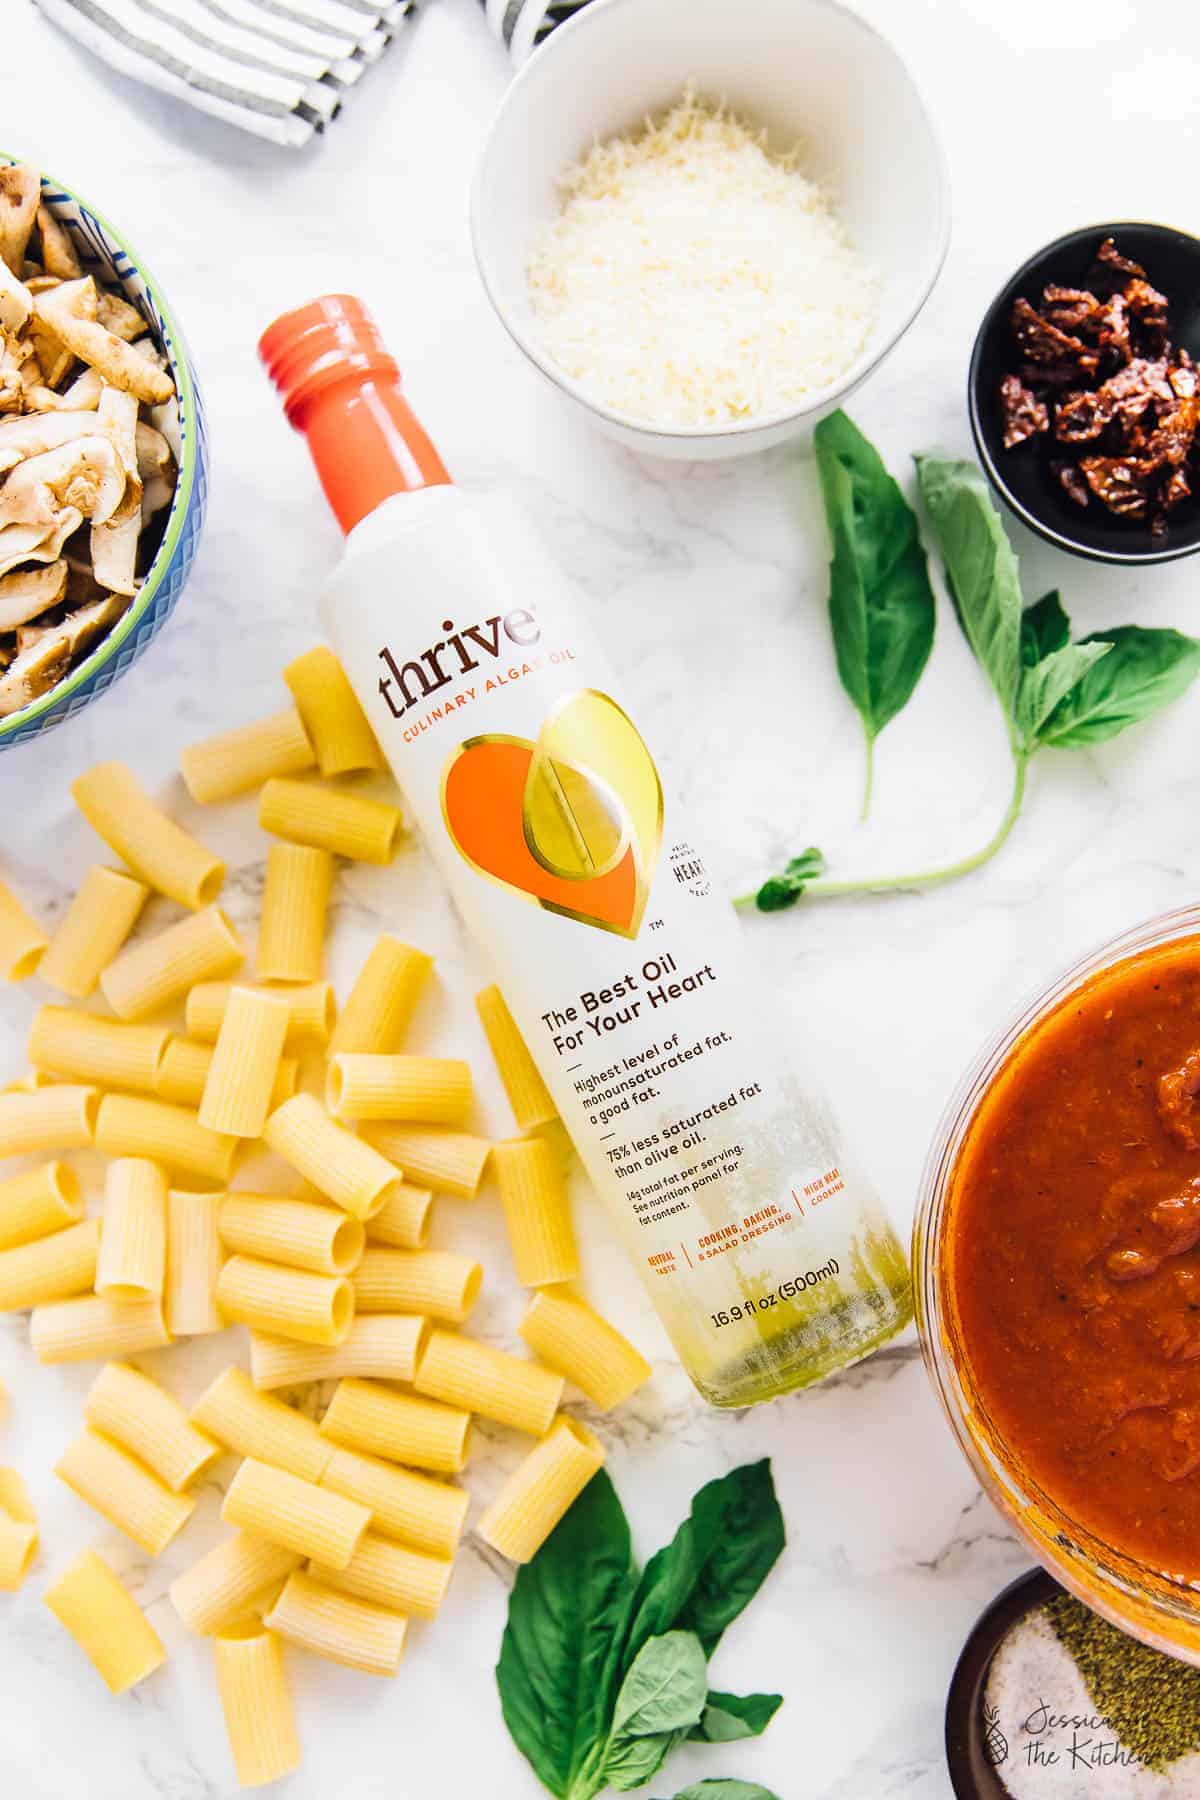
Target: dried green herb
x,y
1149,1700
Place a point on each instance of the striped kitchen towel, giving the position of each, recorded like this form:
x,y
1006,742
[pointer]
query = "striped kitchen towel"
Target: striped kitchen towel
x,y
278,68
521,25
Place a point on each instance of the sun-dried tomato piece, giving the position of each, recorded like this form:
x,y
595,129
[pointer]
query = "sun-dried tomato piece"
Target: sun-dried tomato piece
x,y
1110,263
1121,482
1148,314
1072,483
1045,346
1024,414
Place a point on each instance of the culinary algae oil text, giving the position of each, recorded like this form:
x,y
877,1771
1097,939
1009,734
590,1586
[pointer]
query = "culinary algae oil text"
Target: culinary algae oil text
x,y
768,1259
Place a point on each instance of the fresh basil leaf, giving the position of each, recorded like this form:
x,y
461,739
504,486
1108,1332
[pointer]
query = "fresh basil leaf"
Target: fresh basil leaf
x,y
727,1717
1045,628
981,569
567,1619
1144,670
1049,682
881,604
725,1789
782,891
633,1762
660,1700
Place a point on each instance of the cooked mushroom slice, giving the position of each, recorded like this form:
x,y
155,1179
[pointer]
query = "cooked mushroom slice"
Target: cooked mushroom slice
x,y
20,192
119,317
115,543
16,300
33,672
34,433
58,252
70,301
42,283
27,592
156,466
37,543
85,474
83,395
118,362
13,355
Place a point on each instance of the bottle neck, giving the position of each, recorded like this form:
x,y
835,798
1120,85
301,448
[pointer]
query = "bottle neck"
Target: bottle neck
x,y
367,444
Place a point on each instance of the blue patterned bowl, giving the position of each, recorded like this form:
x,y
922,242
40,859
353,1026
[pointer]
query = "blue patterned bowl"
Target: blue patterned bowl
x,y
97,242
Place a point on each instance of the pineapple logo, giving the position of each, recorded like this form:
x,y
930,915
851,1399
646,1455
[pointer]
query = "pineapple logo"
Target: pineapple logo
x,y
995,1744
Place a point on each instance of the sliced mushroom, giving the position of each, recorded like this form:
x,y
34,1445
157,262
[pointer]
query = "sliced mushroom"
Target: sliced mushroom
x,y
27,592
34,671
83,395
42,284
36,432
118,316
68,300
120,363
16,300
115,542
36,543
58,251
85,474
20,193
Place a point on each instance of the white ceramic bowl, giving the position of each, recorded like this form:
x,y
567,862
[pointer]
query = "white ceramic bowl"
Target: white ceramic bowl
x,y
807,70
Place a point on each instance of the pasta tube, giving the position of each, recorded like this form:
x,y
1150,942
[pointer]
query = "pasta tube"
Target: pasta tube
x,y
450,1162
144,1419
364,1416
22,940
332,716
440,1283
404,1219
338,1627
537,1212
257,1703
295,1514
38,1202
568,1335
79,1046
298,1232
317,1309
382,1346
107,1623
97,922
463,1372
94,1326
540,1489
245,1064
123,1491
291,931
415,1508
127,1125
184,1068
436,1089
377,1014
47,1118
352,1174
152,974
254,1424
391,1575
311,1010
160,852
220,1589
193,1264
18,1531
50,1268
234,762
527,1093
345,824
133,1234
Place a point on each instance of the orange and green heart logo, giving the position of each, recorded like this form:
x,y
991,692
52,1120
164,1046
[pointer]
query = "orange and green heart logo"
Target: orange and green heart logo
x,y
572,822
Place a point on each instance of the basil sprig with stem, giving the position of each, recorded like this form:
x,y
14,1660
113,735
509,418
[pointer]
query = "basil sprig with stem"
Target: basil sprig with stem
x,y
1053,693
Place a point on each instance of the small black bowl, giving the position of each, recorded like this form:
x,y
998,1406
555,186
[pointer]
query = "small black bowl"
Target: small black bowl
x,y
1023,477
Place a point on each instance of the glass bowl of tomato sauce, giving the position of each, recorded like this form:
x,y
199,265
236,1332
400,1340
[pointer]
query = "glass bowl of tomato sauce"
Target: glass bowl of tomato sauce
x,y
1057,1265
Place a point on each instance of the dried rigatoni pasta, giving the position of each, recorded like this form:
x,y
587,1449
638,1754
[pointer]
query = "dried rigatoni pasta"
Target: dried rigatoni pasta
x,y
311,1010
332,716
97,922
317,1309
253,1424
298,1232
463,1372
350,1172
80,1046
305,812
38,1202
404,1219
193,1264
144,1419
233,762
47,1118
50,1268
389,984
571,1336
414,1508
133,1232
257,1702
123,1491
127,1125
441,1283
291,930
150,975
527,1093
93,1326
540,1489
338,1627
183,1071
383,1347
392,1575
107,1623
245,1064
18,1531
450,1162
404,1429
295,1514
436,1089
22,940
160,852
537,1211
221,1588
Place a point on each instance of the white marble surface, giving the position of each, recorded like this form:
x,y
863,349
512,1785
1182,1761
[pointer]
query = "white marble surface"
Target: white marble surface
x,y
709,585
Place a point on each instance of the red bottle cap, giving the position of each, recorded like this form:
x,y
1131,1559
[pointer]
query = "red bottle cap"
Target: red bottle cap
x,y
342,390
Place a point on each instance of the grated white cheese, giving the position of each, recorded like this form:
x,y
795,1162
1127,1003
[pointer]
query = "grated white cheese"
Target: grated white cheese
x,y
693,278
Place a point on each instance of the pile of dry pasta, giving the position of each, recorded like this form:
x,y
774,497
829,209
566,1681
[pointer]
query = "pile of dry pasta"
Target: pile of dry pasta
x,y
344,1529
